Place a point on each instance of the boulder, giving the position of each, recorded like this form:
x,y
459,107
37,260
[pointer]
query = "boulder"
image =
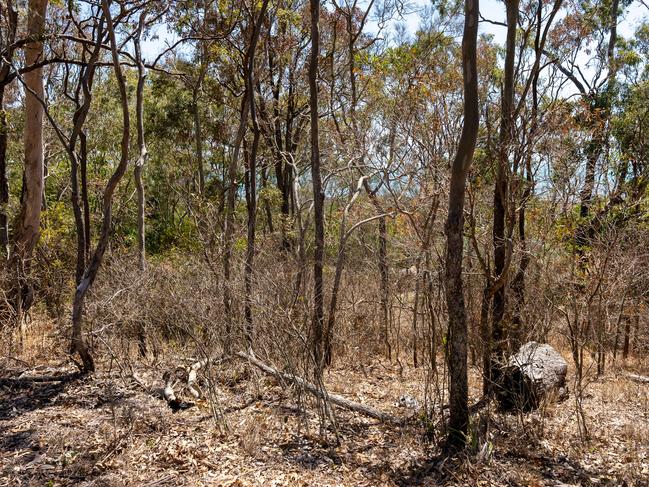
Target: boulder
x,y
537,372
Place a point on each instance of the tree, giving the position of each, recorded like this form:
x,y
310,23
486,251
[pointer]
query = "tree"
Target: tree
x,y
317,331
7,38
78,345
457,342
501,189
27,226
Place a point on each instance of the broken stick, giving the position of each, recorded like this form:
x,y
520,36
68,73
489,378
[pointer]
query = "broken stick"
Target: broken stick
x,y
333,398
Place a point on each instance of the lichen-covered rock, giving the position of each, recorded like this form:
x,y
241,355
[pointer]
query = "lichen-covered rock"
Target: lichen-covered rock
x,y
536,372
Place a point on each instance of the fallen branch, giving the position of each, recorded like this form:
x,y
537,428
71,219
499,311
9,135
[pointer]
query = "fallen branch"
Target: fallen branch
x,y
27,381
333,398
640,379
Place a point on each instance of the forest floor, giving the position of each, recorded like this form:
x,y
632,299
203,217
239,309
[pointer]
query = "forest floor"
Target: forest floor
x,y
106,430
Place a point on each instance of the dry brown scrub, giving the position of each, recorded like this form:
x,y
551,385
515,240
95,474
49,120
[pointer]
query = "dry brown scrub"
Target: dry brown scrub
x,y
106,430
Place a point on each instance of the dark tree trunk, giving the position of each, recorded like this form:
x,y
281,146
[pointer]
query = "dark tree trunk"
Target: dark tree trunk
x,y
12,24
251,180
267,207
228,231
457,355
90,274
385,285
501,191
318,193
627,335
4,181
600,112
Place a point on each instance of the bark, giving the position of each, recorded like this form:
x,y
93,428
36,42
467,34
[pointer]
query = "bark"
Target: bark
x,y
318,192
81,210
141,142
267,207
384,273
518,282
640,379
85,203
627,336
457,354
27,229
4,182
12,24
485,337
501,191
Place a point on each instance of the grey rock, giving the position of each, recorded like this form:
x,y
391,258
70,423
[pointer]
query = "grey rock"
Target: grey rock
x,y
537,372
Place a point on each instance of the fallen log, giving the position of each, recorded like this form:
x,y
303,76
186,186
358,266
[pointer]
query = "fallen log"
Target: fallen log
x,y
24,381
640,379
332,398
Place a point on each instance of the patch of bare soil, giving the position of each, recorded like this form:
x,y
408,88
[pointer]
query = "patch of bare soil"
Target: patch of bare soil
x,y
106,430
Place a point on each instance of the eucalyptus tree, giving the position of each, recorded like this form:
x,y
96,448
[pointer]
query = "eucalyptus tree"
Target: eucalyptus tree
x,y
317,330
27,225
9,19
457,354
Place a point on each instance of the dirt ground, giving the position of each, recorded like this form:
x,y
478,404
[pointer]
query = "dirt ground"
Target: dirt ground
x,y
106,430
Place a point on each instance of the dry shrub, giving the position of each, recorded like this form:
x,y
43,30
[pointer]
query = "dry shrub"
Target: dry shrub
x,y
174,304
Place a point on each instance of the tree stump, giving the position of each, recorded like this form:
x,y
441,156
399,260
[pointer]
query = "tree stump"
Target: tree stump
x,y
537,372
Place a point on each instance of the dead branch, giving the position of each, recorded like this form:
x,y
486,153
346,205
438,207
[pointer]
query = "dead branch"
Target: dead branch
x,y
29,380
640,379
333,398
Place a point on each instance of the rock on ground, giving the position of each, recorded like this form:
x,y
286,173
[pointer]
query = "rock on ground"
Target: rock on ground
x,y
535,373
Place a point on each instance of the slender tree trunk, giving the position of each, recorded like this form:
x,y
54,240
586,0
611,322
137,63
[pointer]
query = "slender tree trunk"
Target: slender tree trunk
x,y
83,166
415,319
76,210
228,233
11,16
79,163
600,112
457,355
251,193
318,193
90,274
501,191
4,181
627,335
485,337
518,282
384,273
141,142
27,229
267,207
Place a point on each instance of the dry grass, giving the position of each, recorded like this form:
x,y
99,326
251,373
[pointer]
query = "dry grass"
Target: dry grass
x,y
105,430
